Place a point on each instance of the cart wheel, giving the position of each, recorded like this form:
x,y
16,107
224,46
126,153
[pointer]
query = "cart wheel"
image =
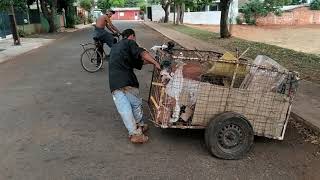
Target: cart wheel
x,y
229,136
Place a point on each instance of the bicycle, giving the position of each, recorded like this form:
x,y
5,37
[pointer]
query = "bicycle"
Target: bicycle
x,y
91,58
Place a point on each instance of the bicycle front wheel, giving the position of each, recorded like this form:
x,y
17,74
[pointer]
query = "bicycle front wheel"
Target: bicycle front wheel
x,y
91,60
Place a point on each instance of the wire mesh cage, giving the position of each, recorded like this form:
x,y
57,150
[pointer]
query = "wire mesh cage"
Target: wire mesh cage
x,y
194,86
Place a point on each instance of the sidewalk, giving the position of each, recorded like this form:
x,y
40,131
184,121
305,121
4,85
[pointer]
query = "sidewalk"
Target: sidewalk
x,y
9,51
82,26
183,39
306,105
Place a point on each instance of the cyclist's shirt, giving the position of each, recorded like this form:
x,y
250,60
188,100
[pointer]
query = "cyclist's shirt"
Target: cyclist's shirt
x,y
125,56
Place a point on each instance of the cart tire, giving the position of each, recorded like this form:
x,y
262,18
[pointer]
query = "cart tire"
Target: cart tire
x,y
229,136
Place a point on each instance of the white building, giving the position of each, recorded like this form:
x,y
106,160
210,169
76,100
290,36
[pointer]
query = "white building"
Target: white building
x,y
204,17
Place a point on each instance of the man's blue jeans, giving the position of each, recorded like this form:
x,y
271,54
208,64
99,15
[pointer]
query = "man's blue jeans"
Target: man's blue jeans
x,y
129,106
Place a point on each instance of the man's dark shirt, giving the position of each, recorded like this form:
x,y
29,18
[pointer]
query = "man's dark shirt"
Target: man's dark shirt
x,y
124,57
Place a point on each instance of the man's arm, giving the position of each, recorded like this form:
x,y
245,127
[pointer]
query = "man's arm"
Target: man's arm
x,y
111,27
141,56
116,29
148,59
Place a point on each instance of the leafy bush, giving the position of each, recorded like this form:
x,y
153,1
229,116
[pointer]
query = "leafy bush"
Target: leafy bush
x,y
143,7
22,33
239,20
315,5
257,8
70,19
78,20
296,2
86,4
90,19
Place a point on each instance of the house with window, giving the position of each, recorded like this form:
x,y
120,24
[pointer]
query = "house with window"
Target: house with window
x,y
132,13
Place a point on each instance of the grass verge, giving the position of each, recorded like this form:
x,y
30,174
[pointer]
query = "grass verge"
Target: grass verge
x,y
308,65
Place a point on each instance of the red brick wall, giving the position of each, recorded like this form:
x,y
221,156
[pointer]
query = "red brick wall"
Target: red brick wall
x,y
298,16
127,15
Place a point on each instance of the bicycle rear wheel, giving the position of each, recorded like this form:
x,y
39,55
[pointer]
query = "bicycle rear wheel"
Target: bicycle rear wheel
x,y
89,60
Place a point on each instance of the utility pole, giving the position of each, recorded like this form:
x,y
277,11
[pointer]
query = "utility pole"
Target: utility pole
x,y
13,25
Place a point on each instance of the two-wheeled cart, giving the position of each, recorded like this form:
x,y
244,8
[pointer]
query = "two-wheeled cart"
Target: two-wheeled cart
x,y
232,98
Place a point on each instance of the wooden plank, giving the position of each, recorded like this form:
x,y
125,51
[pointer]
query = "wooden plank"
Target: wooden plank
x,y
154,102
157,84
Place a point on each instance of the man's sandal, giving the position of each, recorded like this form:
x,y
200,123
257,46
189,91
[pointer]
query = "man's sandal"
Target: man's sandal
x,y
139,139
144,128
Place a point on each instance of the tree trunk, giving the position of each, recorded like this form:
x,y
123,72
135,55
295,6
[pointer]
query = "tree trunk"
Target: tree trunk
x,y
224,30
183,9
166,8
52,27
178,10
38,8
174,13
13,26
49,15
53,9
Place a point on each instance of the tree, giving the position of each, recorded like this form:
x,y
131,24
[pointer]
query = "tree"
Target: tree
x,y
8,5
224,29
166,7
256,8
86,4
315,5
180,9
104,4
70,13
118,3
197,5
134,3
107,4
18,4
49,9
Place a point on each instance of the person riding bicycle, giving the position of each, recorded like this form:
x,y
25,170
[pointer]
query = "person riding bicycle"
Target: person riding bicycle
x,y
101,34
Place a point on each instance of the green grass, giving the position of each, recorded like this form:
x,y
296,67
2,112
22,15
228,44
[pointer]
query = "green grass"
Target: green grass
x,y
308,65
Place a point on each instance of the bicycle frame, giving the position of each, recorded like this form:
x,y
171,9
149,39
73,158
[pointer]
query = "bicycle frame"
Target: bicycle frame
x,y
95,47
96,44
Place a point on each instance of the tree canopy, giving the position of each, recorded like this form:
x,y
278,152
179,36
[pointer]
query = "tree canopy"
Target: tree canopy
x,y
20,4
104,4
118,3
86,4
107,4
134,3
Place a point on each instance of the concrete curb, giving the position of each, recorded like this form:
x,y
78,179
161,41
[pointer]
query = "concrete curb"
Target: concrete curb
x,y
312,127
79,27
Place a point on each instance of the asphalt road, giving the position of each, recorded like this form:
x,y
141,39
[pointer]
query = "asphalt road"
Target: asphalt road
x,y
58,122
